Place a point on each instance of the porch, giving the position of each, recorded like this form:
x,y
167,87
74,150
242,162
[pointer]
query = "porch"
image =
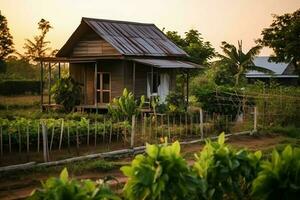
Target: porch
x,y
103,79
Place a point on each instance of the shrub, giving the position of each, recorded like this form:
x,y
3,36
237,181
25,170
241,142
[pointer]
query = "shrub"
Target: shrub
x,y
125,106
161,174
66,92
227,172
218,99
65,188
15,87
175,102
279,177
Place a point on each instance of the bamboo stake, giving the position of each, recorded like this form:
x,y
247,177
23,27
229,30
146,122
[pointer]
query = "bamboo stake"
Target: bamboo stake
x,y
104,130
88,133
169,134
118,129
20,147
132,131
52,137
77,139
201,122
27,137
95,133
61,134
1,141
180,130
9,142
45,143
150,127
186,124
68,130
38,138
191,125
145,126
110,132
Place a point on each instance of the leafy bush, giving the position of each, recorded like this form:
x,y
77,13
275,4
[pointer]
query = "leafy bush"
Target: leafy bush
x,y
66,92
65,188
161,174
279,177
227,172
125,106
176,102
218,99
16,87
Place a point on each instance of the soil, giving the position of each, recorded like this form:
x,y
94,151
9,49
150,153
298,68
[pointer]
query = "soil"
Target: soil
x,y
20,187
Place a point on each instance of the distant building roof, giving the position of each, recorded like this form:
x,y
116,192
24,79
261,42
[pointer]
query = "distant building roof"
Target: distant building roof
x,y
129,38
279,69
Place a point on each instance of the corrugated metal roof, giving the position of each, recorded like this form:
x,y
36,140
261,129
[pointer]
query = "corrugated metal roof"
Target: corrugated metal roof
x,y
135,39
168,63
263,61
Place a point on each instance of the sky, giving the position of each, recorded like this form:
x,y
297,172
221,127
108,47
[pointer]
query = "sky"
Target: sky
x,y
216,20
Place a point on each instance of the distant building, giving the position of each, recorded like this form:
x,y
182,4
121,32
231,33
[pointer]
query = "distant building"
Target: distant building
x,y
283,73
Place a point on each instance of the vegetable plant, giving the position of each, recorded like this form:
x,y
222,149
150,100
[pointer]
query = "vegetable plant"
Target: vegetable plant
x,y
160,174
66,188
226,171
279,177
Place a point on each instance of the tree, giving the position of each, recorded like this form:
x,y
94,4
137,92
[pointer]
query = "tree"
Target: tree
x,y
39,46
200,51
283,36
6,42
238,62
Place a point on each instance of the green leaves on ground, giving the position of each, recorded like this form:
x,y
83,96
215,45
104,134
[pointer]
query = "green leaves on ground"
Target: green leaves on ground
x,y
66,188
279,176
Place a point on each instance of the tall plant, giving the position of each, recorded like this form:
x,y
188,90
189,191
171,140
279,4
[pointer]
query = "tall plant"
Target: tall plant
x,y
125,106
238,61
66,92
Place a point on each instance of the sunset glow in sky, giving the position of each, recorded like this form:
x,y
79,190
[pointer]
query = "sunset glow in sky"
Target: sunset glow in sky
x,y
217,20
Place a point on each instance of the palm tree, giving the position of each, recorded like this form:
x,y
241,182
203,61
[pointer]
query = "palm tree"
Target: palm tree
x,y
240,62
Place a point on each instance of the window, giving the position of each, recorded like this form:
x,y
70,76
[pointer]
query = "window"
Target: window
x,y
156,82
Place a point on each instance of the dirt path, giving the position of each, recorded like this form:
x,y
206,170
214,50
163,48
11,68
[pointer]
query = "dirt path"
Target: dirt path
x,y
20,188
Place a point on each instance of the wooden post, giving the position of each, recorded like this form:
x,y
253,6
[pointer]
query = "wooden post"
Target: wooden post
x,y
95,133
68,131
187,89
45,142
27,138
59,70
42,85
152,78
186,123
38,138
104,130
201,122
133,79
110,132
61,134
169,133
132,131
9,142
255,120
77,140
180,129
49,86
1,141
19,134
95,87
145,126
88,133
52,137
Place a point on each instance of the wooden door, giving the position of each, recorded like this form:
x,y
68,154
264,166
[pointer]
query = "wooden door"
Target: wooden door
x,y
103,87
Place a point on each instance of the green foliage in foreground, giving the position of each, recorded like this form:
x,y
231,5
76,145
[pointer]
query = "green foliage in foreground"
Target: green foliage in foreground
x,y
65,188
161,174
220,172
226,171
279,177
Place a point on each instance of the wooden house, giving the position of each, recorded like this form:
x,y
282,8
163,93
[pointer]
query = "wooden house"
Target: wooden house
x,y
106,56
